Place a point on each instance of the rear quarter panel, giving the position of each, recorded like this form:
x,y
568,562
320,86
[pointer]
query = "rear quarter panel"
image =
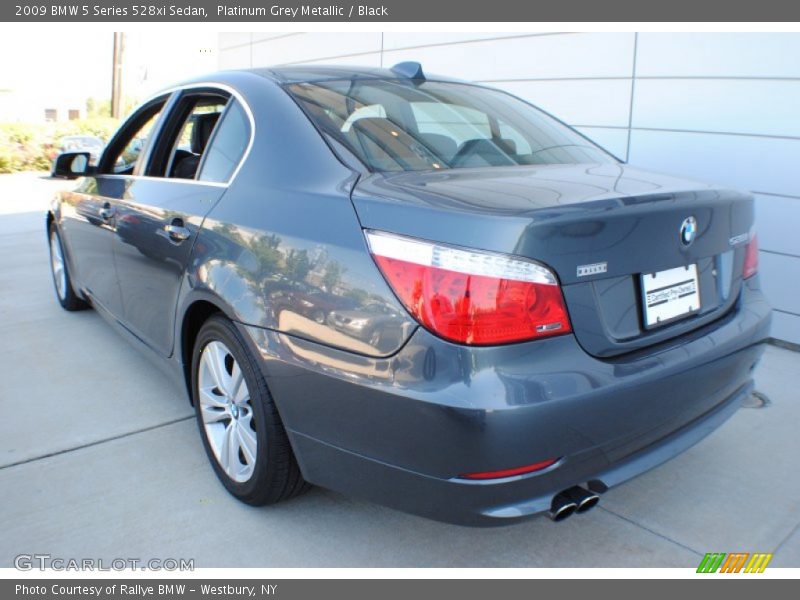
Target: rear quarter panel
x,y
283,248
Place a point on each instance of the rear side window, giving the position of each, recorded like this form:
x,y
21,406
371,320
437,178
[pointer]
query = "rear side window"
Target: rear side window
x,y
227,146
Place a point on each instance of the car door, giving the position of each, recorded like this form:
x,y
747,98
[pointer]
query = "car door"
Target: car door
x,y
89,219
161,211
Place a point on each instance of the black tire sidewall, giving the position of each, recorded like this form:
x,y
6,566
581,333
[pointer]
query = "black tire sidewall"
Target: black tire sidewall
x,y
220,329
70,301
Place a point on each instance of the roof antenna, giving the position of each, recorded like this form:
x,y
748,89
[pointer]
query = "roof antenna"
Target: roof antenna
x,y
409,70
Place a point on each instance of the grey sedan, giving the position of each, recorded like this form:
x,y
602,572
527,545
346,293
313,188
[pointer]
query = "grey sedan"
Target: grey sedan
x,y
411,289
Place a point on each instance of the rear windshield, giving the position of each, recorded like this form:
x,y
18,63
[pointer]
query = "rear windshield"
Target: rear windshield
x,y
396,125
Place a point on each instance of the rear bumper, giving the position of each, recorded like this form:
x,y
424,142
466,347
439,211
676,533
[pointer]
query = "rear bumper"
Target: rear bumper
x,y
400,430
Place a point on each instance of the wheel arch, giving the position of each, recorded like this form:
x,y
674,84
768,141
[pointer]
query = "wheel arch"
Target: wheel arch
x,y
197,312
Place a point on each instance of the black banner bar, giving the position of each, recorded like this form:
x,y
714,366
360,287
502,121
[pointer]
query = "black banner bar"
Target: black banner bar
x,y
398,10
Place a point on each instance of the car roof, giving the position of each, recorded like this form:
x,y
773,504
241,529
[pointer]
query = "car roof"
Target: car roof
x,y
308,73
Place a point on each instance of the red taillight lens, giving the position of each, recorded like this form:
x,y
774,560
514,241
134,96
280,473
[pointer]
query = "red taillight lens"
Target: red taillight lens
x,y
750,258
539,466
471,297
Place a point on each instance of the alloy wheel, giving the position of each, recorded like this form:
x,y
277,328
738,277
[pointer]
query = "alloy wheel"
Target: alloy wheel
x,y
226,411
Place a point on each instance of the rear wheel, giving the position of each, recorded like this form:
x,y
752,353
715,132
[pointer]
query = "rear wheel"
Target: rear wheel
x,y
242,432
65,293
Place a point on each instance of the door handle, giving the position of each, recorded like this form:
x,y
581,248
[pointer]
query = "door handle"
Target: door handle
x,y
106,212
177,232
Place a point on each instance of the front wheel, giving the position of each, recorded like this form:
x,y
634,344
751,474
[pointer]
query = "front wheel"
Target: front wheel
x,y
242,432
62,281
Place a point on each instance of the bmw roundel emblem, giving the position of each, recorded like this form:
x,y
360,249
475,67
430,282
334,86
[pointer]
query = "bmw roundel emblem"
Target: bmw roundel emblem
x,y
688,231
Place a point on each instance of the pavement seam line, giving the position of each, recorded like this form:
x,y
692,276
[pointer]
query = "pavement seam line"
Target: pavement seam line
x,y
656,533
96,442
787,538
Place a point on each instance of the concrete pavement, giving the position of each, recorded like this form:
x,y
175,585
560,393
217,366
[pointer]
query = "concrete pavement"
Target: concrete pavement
x,y
100,457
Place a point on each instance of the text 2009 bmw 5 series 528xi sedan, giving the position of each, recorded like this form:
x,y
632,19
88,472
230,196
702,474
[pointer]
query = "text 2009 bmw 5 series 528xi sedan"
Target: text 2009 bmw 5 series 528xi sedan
x,y
414,290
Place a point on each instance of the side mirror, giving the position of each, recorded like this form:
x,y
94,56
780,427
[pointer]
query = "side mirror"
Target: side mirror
x,y
72,165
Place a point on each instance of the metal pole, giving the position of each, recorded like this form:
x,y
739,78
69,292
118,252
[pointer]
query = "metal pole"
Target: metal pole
x,y
116,75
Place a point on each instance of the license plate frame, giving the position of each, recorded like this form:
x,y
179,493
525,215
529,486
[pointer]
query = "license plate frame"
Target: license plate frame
x,y
670,295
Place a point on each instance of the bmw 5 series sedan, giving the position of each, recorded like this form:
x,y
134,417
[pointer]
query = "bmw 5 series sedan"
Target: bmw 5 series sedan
x,y
413,290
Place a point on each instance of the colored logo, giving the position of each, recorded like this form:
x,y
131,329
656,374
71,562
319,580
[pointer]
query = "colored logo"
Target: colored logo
x,y
735,562
688,230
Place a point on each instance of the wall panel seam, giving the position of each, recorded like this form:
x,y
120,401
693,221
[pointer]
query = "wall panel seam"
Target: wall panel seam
x,y
698,131
649,78
633,90
776,195
779,253
252,41
480,40
321,59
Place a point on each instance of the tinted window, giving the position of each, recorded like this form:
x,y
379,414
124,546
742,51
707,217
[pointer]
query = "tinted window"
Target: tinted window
x,y
457,122
186,137
227,146
133,140
439,125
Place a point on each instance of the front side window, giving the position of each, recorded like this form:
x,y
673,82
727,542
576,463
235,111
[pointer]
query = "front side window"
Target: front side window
x,y
127,159
397,125
125,150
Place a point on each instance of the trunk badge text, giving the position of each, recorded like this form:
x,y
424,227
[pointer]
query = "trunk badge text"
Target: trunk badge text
x,y
593,269
688,231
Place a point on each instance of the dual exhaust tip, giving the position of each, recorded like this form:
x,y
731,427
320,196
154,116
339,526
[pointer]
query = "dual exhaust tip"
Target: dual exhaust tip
x,y
574,500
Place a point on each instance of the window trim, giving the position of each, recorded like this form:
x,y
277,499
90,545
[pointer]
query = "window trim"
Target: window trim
x,y
172,95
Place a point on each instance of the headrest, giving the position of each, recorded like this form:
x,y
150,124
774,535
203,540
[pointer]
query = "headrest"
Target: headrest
x,y
203,126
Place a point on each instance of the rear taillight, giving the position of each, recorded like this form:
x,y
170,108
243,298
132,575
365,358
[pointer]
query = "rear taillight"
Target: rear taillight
x,y
750,258
471,297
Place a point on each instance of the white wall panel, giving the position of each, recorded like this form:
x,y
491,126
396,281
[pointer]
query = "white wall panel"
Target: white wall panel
x,y
235,58
718,55
236,38
742,162
778,223
318,47
786,327
613,140
547,56
359,60
395,40
601,102
767,107
780,279
260,36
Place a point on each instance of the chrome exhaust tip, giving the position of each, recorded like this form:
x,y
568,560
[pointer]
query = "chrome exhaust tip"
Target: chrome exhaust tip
x,y
584,499
562,507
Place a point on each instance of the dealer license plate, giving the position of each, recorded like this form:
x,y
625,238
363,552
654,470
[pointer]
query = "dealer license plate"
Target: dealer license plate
x,y
670,295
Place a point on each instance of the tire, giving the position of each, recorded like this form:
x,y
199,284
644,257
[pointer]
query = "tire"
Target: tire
x,y
228,428
62,282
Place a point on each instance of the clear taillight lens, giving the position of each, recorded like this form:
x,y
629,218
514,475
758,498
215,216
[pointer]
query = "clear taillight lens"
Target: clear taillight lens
x,y
750,258
471,297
